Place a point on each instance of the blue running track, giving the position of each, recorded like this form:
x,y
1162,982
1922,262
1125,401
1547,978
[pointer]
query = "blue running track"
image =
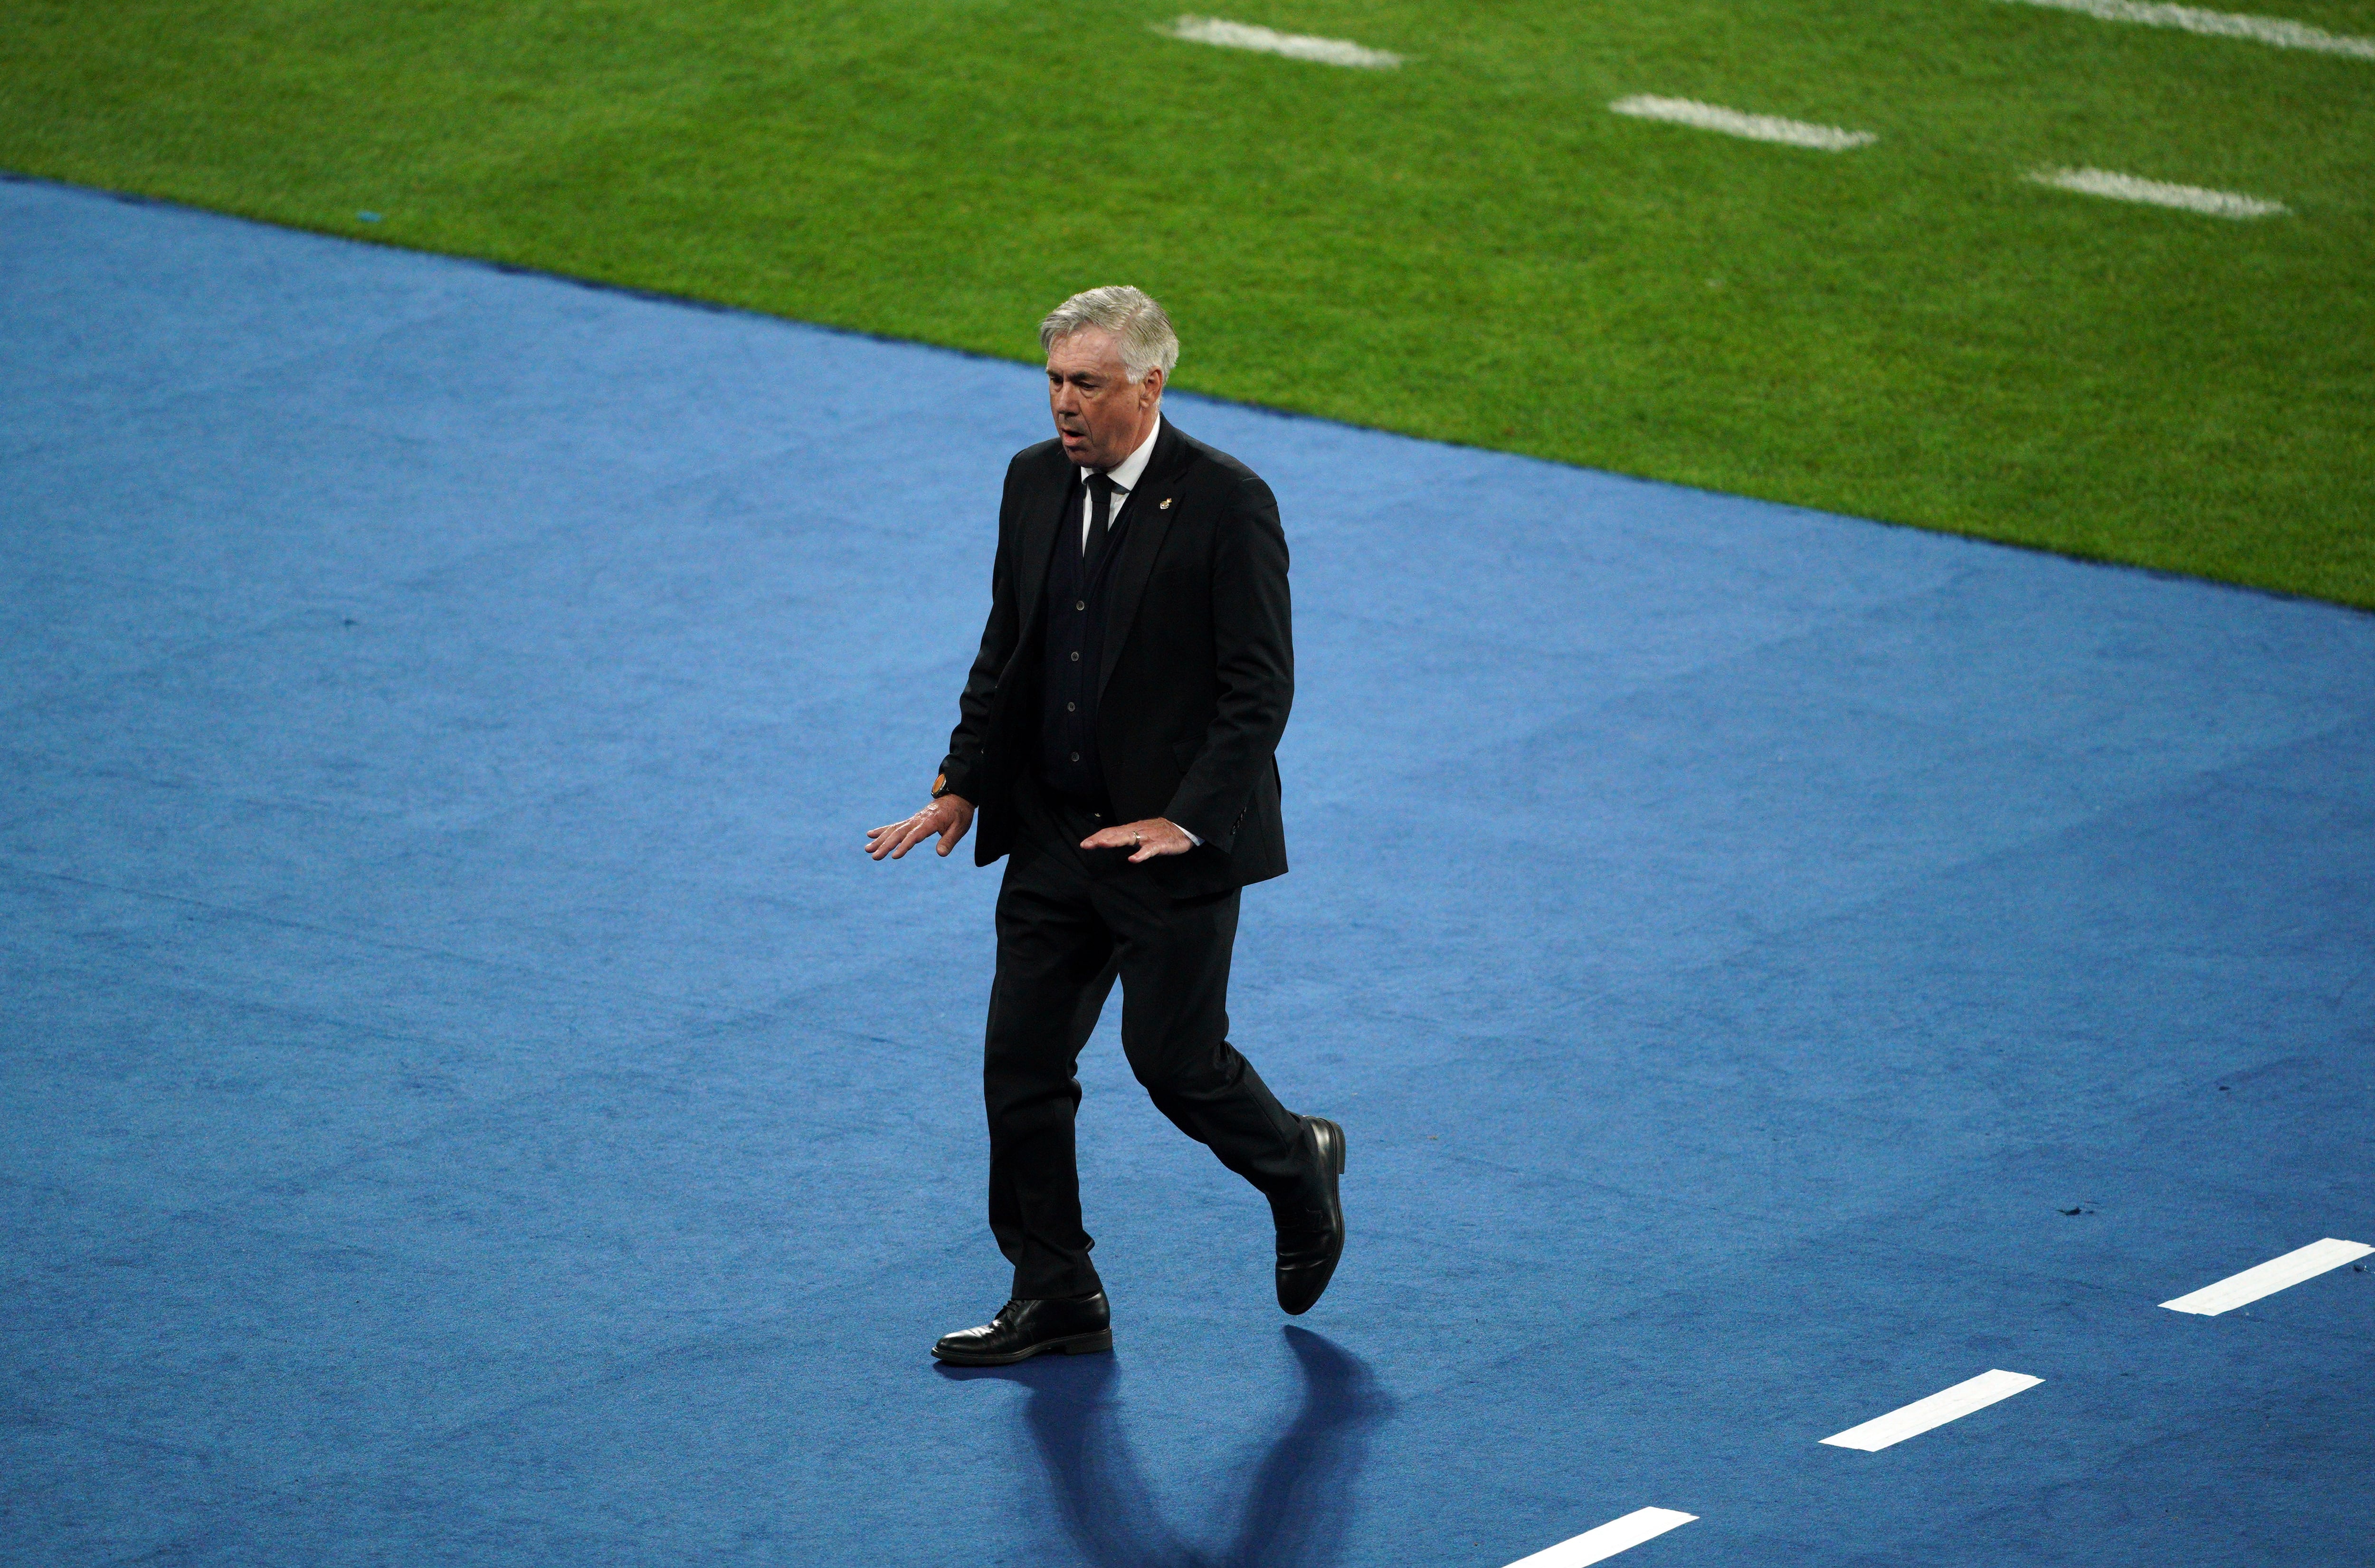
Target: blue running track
x,y
469,1100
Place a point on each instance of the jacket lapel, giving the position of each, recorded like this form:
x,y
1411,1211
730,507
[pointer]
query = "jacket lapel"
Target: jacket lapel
x,y
1042,526
1141,543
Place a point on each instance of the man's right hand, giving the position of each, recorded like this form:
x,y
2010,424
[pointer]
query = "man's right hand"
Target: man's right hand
x,y
946,817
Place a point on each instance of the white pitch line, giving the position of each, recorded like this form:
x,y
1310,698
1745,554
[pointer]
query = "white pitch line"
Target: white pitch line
x,y
1294,45
1607,1541
2276,1274
2156,193
1732,122
2219,24
1946,1405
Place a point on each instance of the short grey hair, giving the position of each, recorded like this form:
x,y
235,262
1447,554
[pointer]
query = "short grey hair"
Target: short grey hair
x,y
1139,328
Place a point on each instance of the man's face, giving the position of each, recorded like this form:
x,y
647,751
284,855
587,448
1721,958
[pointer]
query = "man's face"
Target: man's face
x,y
1100,416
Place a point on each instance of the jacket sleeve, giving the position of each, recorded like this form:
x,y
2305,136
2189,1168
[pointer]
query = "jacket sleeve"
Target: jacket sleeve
x,y
1253,646
960,769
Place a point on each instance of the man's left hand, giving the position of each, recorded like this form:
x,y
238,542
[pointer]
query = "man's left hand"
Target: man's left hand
x,y
1153,837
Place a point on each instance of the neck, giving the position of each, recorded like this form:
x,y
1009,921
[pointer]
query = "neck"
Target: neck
x,y
1136,439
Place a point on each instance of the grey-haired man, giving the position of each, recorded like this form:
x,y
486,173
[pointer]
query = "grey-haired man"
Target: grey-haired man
x,y
1118,734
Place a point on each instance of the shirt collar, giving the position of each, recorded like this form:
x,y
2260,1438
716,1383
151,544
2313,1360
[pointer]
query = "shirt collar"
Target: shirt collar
x,y
1124,474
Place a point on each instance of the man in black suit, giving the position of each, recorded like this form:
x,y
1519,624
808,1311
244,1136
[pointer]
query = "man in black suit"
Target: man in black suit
x,y
1118,732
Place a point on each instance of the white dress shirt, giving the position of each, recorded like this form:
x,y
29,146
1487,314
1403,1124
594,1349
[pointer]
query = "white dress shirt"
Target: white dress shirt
x,y
1124,476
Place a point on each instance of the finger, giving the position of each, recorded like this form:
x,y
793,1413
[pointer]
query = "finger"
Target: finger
x,y
918,831
949,838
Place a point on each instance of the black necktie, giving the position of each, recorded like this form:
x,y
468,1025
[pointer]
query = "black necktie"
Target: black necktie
x,y
1100,494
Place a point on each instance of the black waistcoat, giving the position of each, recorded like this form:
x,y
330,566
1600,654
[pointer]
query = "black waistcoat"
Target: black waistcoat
x,y
1074,649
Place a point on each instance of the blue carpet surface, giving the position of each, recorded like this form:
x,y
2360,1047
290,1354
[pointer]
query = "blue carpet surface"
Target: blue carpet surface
x,y
468,1099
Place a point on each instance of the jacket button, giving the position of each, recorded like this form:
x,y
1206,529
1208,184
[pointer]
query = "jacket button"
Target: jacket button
x,y
1070,706
1076,756
1075,658
1079,604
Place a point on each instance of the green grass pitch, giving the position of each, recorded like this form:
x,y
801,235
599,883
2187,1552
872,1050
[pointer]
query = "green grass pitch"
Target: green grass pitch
x,y
1471,247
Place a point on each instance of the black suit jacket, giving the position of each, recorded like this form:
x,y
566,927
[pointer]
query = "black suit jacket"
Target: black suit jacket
x,y
1198,668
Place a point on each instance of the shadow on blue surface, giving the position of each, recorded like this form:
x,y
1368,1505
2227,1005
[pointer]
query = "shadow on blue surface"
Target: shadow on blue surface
x,y
1298,1512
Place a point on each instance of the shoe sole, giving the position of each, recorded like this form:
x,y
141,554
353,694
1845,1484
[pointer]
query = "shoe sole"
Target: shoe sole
x,y
1072,1345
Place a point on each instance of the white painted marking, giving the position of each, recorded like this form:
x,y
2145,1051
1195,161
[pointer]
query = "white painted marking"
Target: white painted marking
x,y
2276,1274
2219,24
1732,122
1294,45
1946,1405
1617,1535
2129,188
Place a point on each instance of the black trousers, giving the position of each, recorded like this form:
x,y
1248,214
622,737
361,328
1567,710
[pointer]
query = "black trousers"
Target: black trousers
x,y
1069,922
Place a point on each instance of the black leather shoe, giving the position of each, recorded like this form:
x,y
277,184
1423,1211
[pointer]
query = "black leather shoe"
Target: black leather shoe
x,y
1024,1327
1311,1228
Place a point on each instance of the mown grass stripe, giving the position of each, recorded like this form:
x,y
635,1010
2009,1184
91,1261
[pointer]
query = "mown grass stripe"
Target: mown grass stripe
x,y
2274,31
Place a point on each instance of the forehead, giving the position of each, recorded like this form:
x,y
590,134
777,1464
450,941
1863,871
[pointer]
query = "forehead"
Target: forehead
x,y
1092,349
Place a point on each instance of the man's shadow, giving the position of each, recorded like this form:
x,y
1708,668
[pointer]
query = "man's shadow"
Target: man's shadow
x,y
1300,1503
